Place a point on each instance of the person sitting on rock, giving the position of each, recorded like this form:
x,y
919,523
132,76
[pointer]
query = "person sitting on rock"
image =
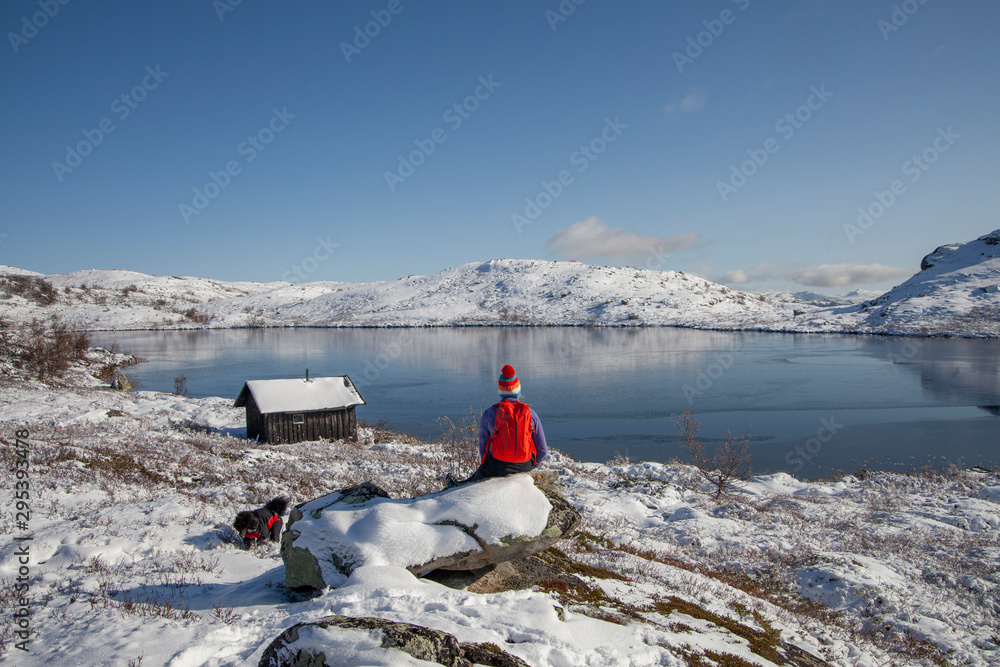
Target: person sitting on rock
x,y
511,439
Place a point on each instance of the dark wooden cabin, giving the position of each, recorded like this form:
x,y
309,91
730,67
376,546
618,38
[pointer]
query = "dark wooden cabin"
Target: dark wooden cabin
x,y
283,411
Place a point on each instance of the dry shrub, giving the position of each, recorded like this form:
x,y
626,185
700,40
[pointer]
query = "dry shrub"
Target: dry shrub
x,y
155,605
729,461
34,289
380,431
227,615
460,442
48,350
195,316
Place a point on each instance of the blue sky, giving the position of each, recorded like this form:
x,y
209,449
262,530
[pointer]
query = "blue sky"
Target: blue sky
x,y
734,139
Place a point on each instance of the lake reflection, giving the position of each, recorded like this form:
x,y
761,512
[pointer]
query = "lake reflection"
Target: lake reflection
x,y
814,403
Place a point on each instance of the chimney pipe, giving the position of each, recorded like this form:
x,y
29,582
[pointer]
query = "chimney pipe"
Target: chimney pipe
x,y
307,375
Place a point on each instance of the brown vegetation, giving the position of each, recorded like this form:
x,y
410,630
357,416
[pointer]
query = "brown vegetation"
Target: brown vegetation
x,y
48,350
34,289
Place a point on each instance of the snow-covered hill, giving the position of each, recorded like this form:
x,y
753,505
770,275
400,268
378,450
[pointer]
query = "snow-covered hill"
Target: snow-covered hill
x,y
114,299
502,291
954,294
510,291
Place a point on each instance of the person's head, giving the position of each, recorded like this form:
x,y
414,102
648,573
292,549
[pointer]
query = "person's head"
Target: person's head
x,y
508,384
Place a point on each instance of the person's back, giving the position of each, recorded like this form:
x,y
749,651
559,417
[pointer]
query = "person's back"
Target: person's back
x,y
511,439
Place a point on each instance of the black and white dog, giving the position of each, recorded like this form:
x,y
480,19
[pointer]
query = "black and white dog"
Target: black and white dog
x,y
261,524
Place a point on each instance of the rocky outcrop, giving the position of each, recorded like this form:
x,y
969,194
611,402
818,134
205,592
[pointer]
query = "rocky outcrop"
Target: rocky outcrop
x,y
940,253
322,642
121,383
465,528
512,575
302,568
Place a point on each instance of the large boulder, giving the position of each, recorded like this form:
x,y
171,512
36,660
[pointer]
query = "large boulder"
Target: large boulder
x,y
462,528
338,640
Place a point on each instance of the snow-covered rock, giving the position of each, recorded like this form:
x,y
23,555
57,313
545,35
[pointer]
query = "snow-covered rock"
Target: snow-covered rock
x,y
461,528
341,640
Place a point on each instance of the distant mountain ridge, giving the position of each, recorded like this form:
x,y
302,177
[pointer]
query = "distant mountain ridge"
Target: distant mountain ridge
x,y
952,295
510,291
956,292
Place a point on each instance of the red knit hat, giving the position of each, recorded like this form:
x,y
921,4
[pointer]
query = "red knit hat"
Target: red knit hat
x,y
509,385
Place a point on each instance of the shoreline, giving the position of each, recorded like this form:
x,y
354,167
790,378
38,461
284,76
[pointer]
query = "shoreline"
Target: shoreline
x,y
695,327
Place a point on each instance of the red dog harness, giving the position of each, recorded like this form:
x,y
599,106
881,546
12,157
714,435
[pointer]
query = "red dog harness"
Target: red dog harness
x,y
270,522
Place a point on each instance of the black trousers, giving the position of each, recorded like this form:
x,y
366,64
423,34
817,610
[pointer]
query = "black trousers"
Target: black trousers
x,y
492,467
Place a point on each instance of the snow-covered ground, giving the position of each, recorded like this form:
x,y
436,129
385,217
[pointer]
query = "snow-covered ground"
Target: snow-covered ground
x,y
132,560
955,296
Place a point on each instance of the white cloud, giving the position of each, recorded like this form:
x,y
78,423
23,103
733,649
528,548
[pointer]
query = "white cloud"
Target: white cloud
x,y
840,275
737,277
825,275
594,238
693,101
763,271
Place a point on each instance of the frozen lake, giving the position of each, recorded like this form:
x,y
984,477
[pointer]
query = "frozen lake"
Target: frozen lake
x,y
815,404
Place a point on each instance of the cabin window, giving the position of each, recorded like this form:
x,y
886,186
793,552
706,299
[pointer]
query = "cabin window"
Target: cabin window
x,y
299,419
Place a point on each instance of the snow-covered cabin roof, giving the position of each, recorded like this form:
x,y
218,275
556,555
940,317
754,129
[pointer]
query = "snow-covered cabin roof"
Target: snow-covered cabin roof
x,y
298,395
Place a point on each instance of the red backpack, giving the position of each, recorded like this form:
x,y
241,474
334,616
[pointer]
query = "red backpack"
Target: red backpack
x,y
511,440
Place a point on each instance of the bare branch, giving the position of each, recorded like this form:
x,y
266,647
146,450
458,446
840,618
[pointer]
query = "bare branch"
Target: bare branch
x,y
729,461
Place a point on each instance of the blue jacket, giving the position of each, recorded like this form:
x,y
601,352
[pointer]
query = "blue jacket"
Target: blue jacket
x,y
489,420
